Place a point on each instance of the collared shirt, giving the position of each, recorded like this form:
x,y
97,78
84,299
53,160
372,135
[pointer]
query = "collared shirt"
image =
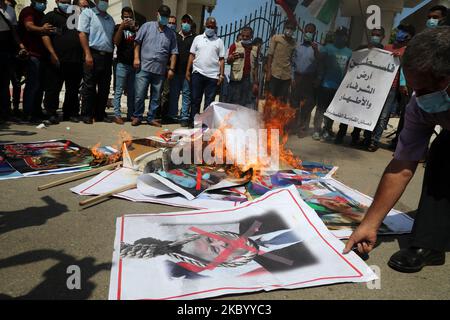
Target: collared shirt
x,y
156,47
9,14
208,52
305,61
282,51
419,127
99,27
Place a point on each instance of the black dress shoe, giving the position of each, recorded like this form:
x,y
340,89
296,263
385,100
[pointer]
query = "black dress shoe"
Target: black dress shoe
x,y
414,259
88,120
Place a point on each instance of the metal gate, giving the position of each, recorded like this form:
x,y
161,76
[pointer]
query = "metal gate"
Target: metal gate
x,y
265,22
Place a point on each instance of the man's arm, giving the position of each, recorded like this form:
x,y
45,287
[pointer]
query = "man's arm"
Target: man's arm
x,y
222,71
173,63
395,179
49,46
84,40
118,36
189,67
137,56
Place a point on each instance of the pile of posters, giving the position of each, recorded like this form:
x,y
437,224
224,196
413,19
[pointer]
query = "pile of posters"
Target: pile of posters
x,y
19,160
275,242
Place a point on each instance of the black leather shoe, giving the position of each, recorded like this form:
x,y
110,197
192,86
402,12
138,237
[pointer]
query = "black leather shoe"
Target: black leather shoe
x,y
414,259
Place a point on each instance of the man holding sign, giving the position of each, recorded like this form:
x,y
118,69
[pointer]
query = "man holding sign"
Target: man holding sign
x,y
427,70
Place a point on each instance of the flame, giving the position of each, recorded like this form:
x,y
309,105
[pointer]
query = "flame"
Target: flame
x,y
100,157
276,116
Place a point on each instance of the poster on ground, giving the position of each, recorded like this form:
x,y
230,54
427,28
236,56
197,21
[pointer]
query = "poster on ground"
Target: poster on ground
x,y
275,242
363,92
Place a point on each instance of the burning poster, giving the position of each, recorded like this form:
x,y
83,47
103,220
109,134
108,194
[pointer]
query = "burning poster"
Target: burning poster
x,y
46,156
277,242
342,208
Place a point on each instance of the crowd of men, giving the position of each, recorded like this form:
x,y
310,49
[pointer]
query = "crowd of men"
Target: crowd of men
x,y
159,61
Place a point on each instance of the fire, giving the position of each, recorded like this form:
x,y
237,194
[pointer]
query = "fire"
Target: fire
x,y
276,116
101,158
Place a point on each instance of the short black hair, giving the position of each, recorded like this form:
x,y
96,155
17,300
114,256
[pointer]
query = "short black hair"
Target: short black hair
x,y
289,25
128,10
383,31
442,9
164,11
247,28
310,24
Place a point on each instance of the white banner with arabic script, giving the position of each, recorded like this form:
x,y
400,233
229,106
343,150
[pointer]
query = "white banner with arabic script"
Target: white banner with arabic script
x,y
364,90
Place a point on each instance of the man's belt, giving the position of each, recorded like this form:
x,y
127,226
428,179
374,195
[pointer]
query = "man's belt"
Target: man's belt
x,y
102,53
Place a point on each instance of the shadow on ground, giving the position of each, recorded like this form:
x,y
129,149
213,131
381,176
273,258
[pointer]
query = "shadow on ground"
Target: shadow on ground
x,y
32,216
55,283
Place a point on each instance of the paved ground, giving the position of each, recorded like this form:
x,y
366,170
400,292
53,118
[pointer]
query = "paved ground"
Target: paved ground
x,y
42,233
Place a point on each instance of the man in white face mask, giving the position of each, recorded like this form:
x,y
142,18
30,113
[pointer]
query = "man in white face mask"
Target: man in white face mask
x,y
437,16
427,70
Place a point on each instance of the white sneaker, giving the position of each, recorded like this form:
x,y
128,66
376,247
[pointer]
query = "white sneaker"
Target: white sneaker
x,y
316,136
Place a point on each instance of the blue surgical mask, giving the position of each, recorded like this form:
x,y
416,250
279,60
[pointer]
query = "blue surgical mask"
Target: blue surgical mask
x,y
434,102
186,27
375,40
64,7
39,6
164,21
247,42
401,36
432,23
210,32
172,27
103,6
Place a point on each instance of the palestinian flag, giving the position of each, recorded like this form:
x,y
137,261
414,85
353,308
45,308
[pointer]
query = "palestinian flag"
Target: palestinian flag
x,y
289,7
322,10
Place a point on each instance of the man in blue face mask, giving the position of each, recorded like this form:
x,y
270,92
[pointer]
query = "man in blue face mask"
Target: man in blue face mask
x,y
179,84
426,64
155,49
243,58
96,31
436,16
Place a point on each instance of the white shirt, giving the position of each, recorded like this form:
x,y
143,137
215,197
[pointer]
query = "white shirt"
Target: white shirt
x,y
9,14
207,53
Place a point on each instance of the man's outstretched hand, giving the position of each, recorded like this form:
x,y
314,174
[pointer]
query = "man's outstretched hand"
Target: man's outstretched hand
x,y
364,238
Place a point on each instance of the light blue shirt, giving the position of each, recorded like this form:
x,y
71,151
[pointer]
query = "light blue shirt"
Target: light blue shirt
x,y
156,47
100,29
304,60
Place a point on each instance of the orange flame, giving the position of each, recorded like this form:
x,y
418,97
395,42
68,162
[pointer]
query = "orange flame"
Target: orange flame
x,y
102,158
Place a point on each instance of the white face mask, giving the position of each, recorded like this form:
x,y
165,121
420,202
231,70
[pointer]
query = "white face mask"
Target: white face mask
x,y
434,102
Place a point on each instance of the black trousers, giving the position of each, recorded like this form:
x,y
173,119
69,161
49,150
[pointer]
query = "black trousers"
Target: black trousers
x,y
279,88
71,74
6,61
432,225
96,85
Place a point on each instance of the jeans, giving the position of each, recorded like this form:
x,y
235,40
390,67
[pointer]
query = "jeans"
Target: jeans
x,y
95,100
180,84
202,85
33,92
125,77
70,74
385,116
145,79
